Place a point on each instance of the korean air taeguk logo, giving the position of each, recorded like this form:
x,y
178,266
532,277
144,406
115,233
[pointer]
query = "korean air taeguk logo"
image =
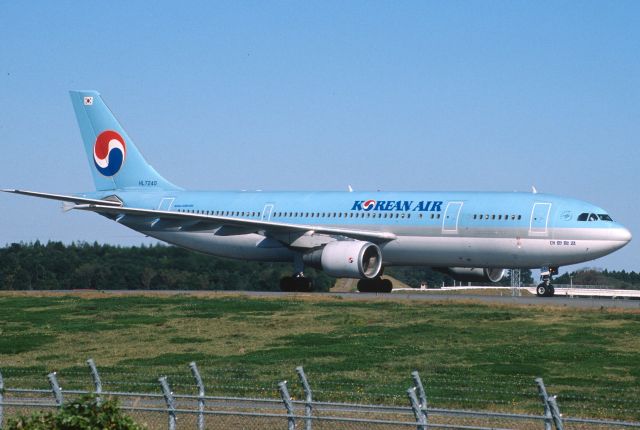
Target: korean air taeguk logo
x,y
109,152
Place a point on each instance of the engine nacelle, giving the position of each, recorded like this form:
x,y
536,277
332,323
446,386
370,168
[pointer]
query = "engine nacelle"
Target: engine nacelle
x,y
473,274
347,259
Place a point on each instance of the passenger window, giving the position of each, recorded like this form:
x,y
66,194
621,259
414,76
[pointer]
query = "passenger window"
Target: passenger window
x,y
519,216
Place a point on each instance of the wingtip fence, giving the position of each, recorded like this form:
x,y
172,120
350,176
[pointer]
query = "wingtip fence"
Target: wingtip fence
x,y
315,412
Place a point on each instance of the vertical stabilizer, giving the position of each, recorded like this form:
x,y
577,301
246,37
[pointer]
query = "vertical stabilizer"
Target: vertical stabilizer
x,y
114,160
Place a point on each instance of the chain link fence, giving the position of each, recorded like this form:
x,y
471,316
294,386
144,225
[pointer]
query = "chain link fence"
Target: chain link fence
x,y
159,407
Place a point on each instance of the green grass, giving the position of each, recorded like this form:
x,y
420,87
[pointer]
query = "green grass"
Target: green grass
x,y
469,355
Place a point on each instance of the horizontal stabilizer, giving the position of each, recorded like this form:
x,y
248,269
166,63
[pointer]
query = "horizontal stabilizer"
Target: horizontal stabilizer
x,y
65,198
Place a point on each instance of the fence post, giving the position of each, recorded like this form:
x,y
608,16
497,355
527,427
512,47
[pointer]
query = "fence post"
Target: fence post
x,y
95,376
57,391
171,404
284,393
555,412
542,392
422,395
415,406
1,397
200,384
308,406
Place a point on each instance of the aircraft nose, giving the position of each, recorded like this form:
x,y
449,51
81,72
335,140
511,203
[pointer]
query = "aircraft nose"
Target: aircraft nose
x,y
626,235
622,234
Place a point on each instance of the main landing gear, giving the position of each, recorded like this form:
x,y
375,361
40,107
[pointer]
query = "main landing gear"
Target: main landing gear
x,y
545,289
297,283
375,285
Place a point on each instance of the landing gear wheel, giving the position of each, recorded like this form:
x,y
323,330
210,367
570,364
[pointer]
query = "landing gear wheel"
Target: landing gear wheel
x,y
375,285
545,289
287,283
364,286
542,290
386,286
296,284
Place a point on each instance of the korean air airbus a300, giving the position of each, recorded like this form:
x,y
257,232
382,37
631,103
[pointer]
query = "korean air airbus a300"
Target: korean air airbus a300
x,y
472,236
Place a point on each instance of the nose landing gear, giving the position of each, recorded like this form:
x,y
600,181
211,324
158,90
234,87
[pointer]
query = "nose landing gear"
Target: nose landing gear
x,y
545,289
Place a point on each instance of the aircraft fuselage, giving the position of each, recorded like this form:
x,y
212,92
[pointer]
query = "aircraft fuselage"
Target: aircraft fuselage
x,y
462,229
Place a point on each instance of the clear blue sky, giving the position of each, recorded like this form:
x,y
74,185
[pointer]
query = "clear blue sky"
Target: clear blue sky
x,y
318,95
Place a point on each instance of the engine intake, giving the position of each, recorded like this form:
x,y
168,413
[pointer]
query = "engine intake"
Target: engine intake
x,y
473,274
347,259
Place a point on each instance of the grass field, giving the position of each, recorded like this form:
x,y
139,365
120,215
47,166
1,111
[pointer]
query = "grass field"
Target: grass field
x,y
469,355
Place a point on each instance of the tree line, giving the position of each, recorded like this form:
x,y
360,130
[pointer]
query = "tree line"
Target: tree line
x,y
56,266
621,280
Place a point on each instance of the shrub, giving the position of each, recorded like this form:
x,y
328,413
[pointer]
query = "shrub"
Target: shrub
x,y
85,413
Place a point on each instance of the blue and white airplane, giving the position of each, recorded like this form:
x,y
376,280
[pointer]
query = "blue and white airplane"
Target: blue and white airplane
x,y
472,236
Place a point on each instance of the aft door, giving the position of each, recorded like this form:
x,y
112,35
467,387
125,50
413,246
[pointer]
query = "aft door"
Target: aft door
x,y
539,219
165,203
451,216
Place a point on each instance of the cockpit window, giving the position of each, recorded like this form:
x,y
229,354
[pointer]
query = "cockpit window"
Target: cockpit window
x,y
593,217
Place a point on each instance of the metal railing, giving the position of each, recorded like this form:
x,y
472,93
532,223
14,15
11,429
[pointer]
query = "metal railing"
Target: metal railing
x,y
166,409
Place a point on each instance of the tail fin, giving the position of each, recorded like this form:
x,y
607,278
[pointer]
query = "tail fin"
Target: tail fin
x,y
114,160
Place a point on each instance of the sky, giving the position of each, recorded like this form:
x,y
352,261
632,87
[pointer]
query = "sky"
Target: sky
x,y
319,95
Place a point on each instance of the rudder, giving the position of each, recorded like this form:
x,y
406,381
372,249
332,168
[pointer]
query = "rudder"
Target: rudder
x,y
114,160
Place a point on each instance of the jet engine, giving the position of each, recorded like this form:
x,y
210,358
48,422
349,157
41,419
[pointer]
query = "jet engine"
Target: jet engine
x,y
347,259
473,274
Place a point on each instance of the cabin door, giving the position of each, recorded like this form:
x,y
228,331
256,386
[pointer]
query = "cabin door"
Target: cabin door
x,y
451,216
266,212
539,219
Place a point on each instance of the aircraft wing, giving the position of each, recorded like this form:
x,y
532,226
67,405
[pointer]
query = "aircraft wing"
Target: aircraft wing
x,y
191,221
243,225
